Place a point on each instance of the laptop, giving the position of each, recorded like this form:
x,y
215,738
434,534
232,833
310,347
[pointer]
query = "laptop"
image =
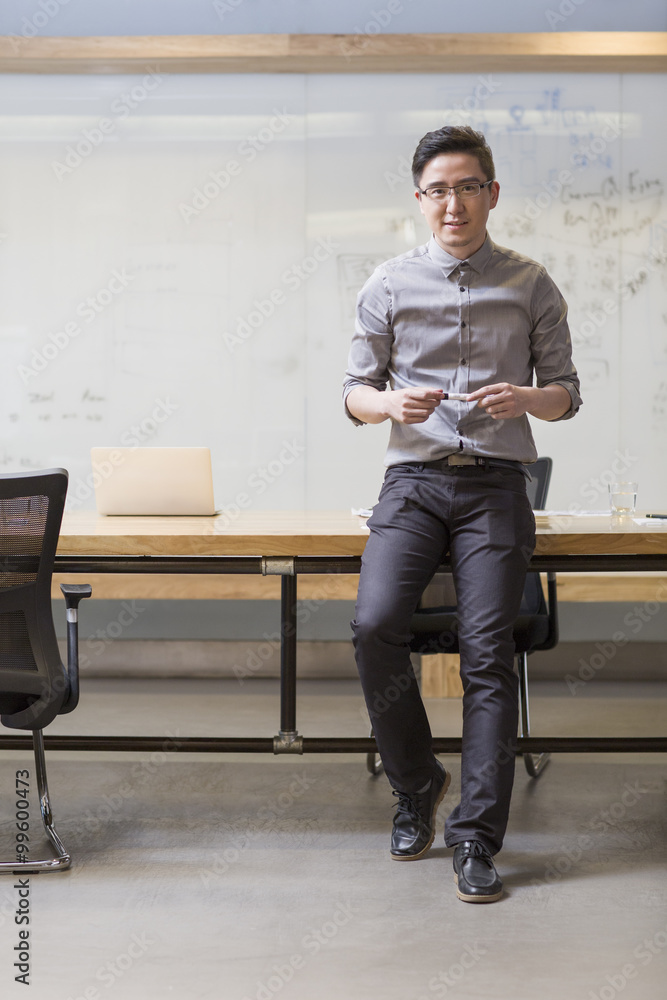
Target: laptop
x,y
153,481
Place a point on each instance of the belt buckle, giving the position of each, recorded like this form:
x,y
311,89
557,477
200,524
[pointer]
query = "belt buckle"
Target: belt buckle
x,y
462,460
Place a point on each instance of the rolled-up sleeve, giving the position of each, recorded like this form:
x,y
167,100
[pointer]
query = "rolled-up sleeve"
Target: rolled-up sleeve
x,y
551,344
370,352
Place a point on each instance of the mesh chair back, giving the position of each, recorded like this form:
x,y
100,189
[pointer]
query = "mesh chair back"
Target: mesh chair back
x,y
538,487
33,680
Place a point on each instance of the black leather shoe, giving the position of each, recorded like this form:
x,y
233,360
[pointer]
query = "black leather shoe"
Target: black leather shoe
x,y
475,875
414,822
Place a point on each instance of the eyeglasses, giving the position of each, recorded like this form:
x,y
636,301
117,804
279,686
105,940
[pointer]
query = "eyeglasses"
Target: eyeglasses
x,y
441,193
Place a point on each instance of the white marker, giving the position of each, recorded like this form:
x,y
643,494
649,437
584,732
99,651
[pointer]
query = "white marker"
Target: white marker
x,y
456,395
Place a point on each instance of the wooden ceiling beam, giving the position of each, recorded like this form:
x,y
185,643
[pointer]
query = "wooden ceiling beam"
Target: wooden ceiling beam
x,y
569,52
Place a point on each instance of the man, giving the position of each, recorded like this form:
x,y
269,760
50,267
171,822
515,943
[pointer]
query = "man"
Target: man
x,y
458,315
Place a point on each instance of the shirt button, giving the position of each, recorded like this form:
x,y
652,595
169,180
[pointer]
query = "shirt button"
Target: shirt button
x,y
463,361
462,288
463,323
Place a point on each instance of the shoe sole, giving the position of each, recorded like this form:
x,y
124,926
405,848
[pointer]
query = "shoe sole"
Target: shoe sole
x,y
424,850
475,899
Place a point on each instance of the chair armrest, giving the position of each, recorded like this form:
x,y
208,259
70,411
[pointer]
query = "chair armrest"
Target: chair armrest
x,y
74,593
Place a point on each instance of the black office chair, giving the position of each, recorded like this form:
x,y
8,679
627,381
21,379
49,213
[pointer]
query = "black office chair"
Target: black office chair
x,y
35,687
435,623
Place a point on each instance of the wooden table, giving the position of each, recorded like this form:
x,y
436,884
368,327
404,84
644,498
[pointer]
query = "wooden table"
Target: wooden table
x,y
319,533
288,544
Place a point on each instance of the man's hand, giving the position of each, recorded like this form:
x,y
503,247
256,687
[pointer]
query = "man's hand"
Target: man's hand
x,y
411,406
405,406
503,401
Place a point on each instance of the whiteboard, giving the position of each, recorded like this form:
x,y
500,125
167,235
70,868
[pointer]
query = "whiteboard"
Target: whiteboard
x,y
180,257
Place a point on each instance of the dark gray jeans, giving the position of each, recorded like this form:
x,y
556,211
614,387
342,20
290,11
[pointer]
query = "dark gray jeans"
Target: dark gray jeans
x,y
484,519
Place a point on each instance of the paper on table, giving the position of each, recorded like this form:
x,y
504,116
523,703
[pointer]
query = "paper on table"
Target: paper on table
x,y
572,513
367,511
653,521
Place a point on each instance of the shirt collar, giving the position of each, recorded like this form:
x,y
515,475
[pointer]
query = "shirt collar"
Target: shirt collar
x,y
449,264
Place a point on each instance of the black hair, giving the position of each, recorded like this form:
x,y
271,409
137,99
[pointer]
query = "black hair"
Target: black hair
x,y
452,139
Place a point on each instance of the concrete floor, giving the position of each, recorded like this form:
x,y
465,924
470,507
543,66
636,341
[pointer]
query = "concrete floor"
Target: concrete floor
x,y
250,877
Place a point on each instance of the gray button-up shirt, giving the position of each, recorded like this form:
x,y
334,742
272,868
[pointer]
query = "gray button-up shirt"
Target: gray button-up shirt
x,y
428,320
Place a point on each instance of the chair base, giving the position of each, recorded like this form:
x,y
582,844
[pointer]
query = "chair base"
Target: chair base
x,y
62,859
374,763
534,762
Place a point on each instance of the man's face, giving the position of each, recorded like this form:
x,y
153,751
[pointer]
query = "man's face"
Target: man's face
x,y
459,226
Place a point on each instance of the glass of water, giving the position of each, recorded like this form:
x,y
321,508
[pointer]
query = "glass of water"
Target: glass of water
x,y
623,498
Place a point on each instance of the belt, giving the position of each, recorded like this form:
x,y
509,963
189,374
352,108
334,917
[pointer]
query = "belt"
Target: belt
x,y
457,459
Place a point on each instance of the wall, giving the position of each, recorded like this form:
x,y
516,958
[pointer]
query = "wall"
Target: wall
x,y
81,17
201,17
182,269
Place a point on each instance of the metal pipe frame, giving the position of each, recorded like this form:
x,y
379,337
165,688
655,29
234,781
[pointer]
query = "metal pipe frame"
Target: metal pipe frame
x,y
327,744
242,565
288,740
